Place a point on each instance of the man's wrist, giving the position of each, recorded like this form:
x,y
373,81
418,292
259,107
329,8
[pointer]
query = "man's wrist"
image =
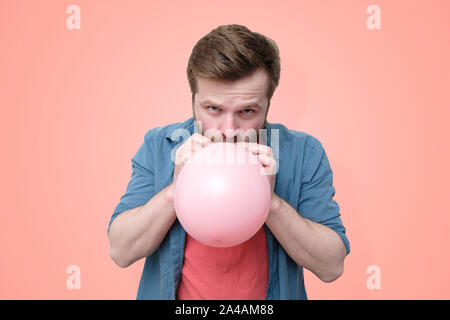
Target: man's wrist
x,y
275,203
169,191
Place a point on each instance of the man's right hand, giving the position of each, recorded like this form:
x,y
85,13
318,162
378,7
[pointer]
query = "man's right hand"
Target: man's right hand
x,y
195,143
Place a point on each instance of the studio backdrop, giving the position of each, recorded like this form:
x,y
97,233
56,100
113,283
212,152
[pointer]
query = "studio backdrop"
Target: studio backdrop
x,y
81,82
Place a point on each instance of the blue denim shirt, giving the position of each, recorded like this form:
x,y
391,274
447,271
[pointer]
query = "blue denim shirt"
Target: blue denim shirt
x,y
304,180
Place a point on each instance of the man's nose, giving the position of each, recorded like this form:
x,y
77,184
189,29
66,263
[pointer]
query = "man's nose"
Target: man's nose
x,y
228,128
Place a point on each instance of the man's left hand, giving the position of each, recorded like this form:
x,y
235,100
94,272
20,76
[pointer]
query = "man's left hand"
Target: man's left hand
x,y
265,155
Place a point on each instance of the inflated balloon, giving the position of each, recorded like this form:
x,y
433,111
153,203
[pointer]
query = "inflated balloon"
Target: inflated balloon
x,y
221,196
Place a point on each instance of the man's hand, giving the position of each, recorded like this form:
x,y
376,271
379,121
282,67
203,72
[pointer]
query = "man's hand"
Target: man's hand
x,y
265,155
195,143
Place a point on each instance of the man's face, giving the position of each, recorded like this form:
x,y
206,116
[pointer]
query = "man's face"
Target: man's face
x,y
232,107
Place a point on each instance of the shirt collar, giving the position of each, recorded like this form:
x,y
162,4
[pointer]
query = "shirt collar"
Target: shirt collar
x,y
189,125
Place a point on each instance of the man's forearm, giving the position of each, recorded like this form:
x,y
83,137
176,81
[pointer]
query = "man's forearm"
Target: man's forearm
x,y
311,245
137,233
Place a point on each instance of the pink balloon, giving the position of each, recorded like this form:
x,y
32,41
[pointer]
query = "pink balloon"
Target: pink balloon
x,y
221,197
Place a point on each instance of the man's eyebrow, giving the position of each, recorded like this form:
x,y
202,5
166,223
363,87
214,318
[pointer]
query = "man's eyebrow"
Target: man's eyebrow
x,y
246,105
210,102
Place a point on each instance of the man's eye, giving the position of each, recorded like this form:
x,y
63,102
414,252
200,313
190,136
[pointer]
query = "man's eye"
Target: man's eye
x,y
250,111
213,108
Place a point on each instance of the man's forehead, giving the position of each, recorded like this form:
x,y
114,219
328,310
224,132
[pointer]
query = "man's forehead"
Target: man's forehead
x,y
256,81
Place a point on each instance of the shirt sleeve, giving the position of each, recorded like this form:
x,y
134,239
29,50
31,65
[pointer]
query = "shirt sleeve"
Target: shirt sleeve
x,y
317,191
140,188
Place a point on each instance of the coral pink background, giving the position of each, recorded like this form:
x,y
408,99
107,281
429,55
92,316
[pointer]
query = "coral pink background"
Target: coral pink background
x,y
75,105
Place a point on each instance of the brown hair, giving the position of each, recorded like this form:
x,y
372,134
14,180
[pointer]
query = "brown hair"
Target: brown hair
x,y
230,52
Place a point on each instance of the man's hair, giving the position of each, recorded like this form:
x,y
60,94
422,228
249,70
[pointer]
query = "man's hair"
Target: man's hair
x,y
230,52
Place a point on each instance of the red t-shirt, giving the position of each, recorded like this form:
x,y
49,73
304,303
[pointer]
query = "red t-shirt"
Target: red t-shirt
x,y
239,272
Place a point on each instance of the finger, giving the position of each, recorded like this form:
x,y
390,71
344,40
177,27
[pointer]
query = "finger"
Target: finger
x,y
256,148
193,142
182,155
197,146
265,160
200,139
187,153
269,164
